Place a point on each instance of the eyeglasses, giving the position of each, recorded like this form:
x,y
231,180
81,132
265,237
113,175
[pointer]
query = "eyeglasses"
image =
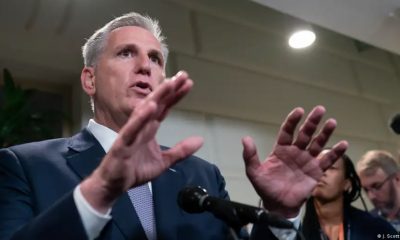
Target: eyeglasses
x,y
376,187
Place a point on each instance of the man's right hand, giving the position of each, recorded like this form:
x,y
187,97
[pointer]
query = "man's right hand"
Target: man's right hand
x,y
135,157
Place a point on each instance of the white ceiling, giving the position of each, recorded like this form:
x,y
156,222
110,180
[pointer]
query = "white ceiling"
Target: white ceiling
x,y
376,22
42,38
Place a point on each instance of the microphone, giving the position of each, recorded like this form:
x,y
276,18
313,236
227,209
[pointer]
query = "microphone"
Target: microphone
x,y
395,123
196,200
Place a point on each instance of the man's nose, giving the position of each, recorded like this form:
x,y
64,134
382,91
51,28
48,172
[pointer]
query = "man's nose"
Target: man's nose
x,y
143,63
371,195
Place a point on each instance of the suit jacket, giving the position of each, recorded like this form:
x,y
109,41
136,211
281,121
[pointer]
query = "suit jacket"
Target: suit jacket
x,y
36,201
357,224
394,222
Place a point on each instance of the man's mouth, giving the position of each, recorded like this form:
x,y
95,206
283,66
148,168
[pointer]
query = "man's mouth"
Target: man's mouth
x,y
142,88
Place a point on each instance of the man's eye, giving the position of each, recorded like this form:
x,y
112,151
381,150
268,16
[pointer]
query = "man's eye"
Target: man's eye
x,y
375,186
155,59
125,53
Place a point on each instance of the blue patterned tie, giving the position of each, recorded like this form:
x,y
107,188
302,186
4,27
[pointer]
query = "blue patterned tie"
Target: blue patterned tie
x,y
142,200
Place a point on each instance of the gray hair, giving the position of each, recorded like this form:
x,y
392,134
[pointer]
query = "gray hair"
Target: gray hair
x,y
372,160
95,44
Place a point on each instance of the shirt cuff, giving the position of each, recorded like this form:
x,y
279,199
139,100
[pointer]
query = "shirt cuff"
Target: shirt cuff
x,y
289,234
93,221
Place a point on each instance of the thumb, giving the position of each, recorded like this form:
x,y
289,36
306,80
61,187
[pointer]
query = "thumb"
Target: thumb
x,y
250,156
182,149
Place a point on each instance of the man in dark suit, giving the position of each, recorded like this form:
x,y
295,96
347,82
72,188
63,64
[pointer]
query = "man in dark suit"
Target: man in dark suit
x,y
379,173
83,187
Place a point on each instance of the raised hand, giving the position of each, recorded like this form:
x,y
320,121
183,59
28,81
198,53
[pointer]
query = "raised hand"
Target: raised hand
x,y
289,174
135,157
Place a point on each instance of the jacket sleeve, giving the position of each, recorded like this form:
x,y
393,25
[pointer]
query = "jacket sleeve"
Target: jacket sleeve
x,y
18,215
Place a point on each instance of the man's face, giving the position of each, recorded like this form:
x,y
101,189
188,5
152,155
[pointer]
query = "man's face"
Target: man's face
x,y
380,188
129,68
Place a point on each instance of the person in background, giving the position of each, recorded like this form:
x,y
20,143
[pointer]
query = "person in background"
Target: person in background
x,y
329,214
112,180
380,179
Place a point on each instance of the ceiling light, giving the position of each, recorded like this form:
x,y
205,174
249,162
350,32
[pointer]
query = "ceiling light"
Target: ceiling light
x,y
302,39
395,13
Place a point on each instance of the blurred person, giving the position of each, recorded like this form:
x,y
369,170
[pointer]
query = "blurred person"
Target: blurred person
x,y
380,179
329,214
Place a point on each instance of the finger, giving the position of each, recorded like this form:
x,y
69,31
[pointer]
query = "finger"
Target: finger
x,y
180,94
148,131
319,141
250,156
285,135
180,77
181,90
182,150
161,92
332,155
141,116
309,127
182,87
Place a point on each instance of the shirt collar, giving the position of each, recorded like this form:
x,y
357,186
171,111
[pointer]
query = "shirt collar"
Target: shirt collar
x,y
105,136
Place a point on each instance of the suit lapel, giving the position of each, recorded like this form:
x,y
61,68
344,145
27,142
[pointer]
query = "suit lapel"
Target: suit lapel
x,y
85,155
165,192
126,218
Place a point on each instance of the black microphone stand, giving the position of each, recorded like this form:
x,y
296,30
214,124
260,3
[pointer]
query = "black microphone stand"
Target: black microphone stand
x,y
236,215
233,234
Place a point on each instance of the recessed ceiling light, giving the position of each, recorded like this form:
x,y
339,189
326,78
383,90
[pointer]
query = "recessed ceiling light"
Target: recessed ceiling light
x,y
302,39
395,13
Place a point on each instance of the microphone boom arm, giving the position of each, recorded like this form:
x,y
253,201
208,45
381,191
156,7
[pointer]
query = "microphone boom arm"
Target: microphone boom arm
x,y
196,200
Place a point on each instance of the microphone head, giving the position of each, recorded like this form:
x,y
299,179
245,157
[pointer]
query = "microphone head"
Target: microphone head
x,y
395,123
189,199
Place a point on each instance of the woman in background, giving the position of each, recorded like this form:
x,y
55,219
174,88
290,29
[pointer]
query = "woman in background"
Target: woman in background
x,y
329,214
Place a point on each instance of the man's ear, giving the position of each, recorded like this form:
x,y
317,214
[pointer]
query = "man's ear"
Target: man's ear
x,y
88,81
396,177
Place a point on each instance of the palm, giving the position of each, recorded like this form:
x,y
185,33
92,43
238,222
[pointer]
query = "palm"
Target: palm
x,y
142,161
288,175
287,182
